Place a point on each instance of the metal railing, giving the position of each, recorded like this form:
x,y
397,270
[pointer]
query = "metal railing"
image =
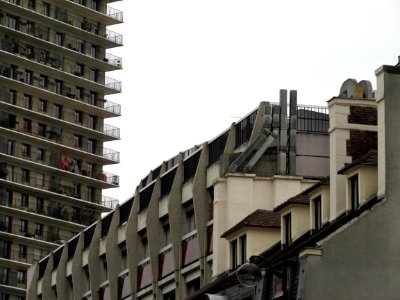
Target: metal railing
x,y
103,8
12,279
69,117
312,119
60,14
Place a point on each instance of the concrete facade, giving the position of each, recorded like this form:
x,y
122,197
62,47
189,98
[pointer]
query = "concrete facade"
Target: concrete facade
x,y
165,242
53,125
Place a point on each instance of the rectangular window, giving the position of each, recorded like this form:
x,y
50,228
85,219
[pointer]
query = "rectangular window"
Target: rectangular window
x,y
78,116
23,225
80,46
243,249
40,154
94,50
30,27
22,251
79,93
57,111
31,4
90,170
38,229
59,38
46,9
39,179
42,105
91,146
29,52
21,276
93,98
77,141
25,175
43,81
93,75
77,190
28,77
59,87
91,194
37,254
10,147
317,213
92,122
11,97
190,221
24,200
42,128
11,22
27,125
26,150
288,229
79,69
234,254
354,195
28,101
39,204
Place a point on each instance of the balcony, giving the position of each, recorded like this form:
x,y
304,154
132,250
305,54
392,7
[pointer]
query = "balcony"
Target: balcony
x,y
190,249
109,202
104,9
68,117
59,15
51,136
32,232
12,279
23,257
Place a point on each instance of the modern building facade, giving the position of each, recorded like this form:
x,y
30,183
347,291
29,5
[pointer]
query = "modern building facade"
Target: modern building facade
x,y
165,242
53,84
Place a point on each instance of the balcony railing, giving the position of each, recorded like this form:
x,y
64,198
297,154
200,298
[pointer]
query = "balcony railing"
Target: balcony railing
x,y
25,257
32,232
12,279
109,202
58,138
52,186
104,9
60,14
64,116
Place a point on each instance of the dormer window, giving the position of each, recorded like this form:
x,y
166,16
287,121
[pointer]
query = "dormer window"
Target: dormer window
x,y
234,254
354,192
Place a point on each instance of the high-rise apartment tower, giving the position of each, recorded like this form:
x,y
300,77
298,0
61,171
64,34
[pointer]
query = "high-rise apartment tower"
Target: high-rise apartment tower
x,y
53,62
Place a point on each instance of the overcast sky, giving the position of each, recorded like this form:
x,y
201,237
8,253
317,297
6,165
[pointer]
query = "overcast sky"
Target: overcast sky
x,y
191,68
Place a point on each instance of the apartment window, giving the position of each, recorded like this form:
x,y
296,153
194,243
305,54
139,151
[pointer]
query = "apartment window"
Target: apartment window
x,y
167,234
77,190
26,150
190,221
59,87
21,276
79,93
31,4
78,116
59,38
145,247
42,105
11,22
11,97
77,140
93,98
39,204
23,225
40,153
38,229
57,111
354,195
92,122
25,175
42,128
27,125
80,46
79,69
22,251
39,179
7,223
37,254
90,170
288,229
10,147
28,101
94,5
94,50
46,9
91,194
91,146
243,249
8,199
24,200
43,81
30,27
28,77
233,254
317,213
93,74
29,52
43,57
